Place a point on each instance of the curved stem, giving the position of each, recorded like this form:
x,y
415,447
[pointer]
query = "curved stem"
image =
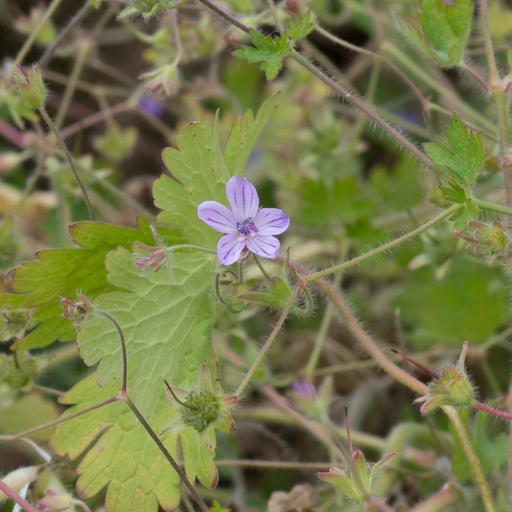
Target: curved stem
x,y
122,342
384,247
14,496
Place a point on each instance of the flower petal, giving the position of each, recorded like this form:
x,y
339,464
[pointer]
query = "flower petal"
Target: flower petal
x,y
217,216
266,246
229,248
271,221
243,198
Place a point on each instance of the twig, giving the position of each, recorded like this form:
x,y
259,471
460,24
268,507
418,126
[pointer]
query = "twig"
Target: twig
x,y
24,504
69,159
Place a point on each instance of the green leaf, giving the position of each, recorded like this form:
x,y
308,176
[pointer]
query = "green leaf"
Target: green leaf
x,y
302,26
269,51
121,455
166,317
464,155
244,133
468,303
446,27
56,273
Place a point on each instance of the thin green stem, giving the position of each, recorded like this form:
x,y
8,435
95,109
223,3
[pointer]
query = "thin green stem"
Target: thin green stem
x,y
472,458
122,343
58,421
361,105
14,496
165,452
494,75
273,464
384,247
261,267
63,32
35,32
69,159
493,207
78,65
268,343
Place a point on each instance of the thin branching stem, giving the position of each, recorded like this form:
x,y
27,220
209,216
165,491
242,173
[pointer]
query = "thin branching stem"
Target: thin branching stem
x,y
58,421
69,159
72,23
384,247
14,496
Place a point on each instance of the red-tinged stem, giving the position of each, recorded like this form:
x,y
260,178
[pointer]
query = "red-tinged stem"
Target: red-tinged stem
x,y
10,493
491,410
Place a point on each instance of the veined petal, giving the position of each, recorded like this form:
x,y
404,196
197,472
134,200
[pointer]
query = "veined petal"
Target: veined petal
x,y
243,198
271,221
217,216
266,246
229,248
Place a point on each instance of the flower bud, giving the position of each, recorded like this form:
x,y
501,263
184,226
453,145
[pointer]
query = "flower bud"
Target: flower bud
x,y
31,88
76,310
451,387
54,502
17,479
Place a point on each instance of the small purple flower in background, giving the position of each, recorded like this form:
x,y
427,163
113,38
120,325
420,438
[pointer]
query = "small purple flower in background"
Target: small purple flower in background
x,y
304,388
245,226
151,105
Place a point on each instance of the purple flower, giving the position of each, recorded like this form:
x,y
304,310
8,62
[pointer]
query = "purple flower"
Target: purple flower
x,y
245,226
151,105
304,388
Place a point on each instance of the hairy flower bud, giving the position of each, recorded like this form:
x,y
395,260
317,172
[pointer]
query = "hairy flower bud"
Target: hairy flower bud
x,y
76,310
54,502
31,88
451,387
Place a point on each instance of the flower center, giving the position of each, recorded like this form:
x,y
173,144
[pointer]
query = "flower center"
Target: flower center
x,y
246,227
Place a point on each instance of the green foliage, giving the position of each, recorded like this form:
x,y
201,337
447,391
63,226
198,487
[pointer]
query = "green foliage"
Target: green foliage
x,y
322,205
464,155
120,455
490,442
116,143
269,51
39,284
468,303
445,28
301,26
166,317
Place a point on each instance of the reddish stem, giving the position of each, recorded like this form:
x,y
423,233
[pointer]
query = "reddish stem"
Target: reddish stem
x,y
491,410
10,493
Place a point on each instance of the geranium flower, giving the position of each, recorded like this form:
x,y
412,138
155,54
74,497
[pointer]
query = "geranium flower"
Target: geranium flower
x,y
245,226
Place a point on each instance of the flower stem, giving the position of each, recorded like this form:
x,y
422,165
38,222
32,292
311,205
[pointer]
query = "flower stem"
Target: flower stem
x,y
69,159
493,207
261,267
472,458
384,247
498,413
268,343
10,493
183,477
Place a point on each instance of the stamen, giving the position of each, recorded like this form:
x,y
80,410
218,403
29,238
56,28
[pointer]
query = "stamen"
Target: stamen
x,y
247,227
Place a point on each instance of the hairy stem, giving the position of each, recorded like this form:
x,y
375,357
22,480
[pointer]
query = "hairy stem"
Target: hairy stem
x,y
165,452
498,413
348,96
384,247
69,159
14,496
269,341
